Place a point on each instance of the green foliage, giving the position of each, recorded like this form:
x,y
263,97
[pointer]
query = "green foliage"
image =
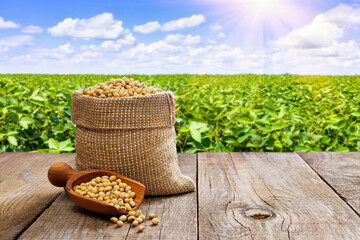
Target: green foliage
x,y
247,112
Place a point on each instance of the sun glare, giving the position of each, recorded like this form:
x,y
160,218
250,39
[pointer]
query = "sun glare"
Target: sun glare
x,y
256,22
261,4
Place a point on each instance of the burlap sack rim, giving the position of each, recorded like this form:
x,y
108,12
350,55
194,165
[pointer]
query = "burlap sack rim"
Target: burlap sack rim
x,y
79,96
115,99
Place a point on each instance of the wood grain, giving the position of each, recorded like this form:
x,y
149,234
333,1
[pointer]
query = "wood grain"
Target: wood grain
x,y
341,170
24,189
65,220
268,196
177,215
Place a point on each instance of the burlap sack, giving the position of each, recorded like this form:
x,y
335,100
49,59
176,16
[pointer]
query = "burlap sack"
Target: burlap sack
x,y
132,136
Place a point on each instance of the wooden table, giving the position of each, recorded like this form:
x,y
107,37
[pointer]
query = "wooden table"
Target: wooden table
x,y
239,196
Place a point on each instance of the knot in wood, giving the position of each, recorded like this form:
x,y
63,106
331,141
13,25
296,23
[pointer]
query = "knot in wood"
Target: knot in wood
x,y
258,213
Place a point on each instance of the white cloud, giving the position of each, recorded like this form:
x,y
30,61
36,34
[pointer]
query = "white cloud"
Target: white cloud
x,y
215,27
32,29
191,40
299,52
180,23
14,41
182,39
102,26
210,41
56,58
59,52
317,34
343,15
325,30
4,49
171,55
111,45
8,24
339,58
148,27
174,38
167,55
145,51
23,58
221,35
86,57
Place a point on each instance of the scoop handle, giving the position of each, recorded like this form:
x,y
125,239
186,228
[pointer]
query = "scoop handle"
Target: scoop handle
x,y
59,173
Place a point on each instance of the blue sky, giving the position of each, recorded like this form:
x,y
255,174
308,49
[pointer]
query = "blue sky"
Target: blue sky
x,y
198,36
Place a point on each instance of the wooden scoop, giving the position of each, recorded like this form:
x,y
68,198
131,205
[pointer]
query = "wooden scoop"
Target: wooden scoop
x,y
61,174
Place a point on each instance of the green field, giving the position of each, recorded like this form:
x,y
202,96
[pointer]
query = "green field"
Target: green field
x,y
282,113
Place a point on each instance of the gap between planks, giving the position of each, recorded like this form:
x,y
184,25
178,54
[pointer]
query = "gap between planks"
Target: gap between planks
x,y
291,201
198,217
340,171
197,197
177,218
24,189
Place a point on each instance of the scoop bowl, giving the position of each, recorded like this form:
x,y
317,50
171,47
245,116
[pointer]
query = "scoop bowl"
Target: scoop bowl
x,y
62,175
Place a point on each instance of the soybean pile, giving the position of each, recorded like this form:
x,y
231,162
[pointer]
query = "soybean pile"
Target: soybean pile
x,y
221,113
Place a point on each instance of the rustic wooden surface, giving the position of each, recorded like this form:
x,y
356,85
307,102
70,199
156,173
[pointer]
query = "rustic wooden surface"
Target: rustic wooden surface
x,y
24,189
71,222
240,196
341,171
299,204
177,214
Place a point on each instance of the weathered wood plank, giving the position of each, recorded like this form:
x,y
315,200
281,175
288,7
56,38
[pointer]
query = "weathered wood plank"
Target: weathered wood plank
x,y
64,220
177,214
341,170
237,189
24,189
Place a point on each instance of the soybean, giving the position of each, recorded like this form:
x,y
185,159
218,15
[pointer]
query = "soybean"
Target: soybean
x,y
116,88
137,213
155,221
114,219
110,190
135,223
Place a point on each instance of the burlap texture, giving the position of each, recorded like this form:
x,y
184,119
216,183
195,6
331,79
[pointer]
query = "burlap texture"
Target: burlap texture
x,y
133,136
